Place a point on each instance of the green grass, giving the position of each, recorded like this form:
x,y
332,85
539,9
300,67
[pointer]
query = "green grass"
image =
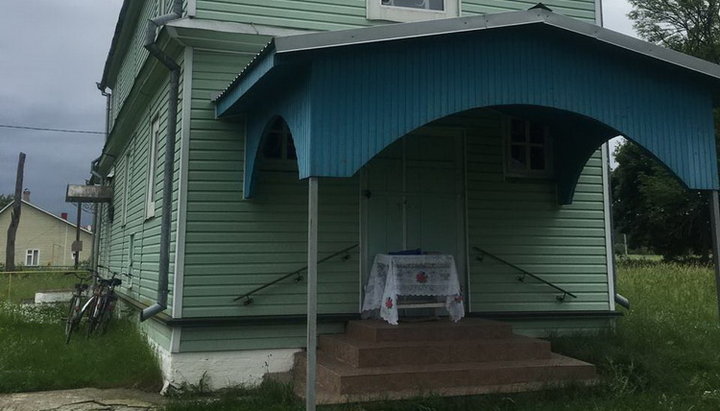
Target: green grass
x,y
34,356
663,355
19,287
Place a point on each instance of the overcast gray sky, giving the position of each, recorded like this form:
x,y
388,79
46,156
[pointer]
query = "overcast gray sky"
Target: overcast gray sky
x,y
51,54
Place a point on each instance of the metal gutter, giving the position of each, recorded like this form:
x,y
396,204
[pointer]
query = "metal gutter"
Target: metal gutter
x,y
170,135
236,28
179,265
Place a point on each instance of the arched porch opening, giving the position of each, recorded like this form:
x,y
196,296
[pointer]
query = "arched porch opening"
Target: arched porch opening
x,y
273,155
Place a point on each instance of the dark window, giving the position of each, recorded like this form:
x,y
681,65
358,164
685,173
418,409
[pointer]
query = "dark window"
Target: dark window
x,y
278,142
529,151
278,150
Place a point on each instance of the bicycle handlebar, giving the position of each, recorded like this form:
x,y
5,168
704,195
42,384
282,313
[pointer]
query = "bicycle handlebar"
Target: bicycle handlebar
x,y
114,273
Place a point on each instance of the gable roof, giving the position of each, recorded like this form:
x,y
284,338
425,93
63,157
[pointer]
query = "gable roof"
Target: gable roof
x,y
45,212
403,31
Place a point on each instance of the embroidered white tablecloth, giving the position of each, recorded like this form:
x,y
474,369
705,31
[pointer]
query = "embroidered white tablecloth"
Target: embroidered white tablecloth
x,y
408,275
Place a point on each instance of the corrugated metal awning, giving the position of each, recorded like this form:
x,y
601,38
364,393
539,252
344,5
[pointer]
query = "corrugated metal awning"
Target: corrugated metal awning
x,y
347,95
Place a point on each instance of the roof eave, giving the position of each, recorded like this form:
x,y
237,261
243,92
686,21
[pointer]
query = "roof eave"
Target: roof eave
x,y
260,65
110,60
254,71
393,32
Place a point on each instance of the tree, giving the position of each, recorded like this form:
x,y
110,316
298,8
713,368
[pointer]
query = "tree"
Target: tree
x,y
655,210
5,199
688,26
650,205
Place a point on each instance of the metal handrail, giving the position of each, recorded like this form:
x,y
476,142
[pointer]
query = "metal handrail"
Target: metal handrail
x,y
296,273
524,272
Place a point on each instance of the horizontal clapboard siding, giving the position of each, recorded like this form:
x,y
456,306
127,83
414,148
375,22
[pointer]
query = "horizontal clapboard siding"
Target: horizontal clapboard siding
x,y
130,200
344,14
235,245
133,58
520,221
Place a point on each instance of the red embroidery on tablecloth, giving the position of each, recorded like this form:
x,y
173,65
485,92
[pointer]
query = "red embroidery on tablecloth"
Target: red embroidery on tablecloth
x,y
421,277
389,303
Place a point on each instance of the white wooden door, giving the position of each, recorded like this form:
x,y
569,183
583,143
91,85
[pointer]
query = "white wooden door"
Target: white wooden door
x,y
413,197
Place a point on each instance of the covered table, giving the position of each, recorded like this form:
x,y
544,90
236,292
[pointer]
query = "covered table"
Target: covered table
x,y
412,275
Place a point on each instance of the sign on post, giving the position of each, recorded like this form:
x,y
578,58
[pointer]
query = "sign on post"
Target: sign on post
x,y
77,246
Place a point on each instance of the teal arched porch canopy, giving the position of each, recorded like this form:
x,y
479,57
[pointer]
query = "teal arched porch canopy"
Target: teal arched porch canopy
x,y
347,95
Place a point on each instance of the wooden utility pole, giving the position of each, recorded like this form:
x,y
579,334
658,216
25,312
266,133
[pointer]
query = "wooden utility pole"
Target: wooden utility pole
x,y
15,216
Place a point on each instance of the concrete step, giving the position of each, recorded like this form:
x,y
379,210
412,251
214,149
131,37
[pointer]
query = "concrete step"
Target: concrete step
x,y
442,330
362,353
340,382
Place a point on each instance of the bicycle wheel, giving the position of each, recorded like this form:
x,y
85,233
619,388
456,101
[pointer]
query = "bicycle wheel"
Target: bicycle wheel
x,y
71,321
106,314
94,311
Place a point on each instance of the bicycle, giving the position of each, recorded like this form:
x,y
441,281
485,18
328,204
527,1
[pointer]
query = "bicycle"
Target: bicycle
x,y
75,311
102,304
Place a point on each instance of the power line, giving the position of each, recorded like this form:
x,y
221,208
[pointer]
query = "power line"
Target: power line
x,y
57,130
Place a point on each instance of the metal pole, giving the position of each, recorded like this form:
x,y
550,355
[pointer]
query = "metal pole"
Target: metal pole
x,y
715,219
77,236
312,294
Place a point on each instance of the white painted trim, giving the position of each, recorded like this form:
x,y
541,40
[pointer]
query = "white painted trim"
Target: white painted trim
x,y
403,141
468,295
34,262
312,263
179,274
607,209
237,28
126,183
376,11
150,197
363,252
175,338
191,8
599,13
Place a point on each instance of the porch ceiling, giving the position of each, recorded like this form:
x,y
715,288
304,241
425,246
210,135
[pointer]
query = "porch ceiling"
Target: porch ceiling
x,y
347,95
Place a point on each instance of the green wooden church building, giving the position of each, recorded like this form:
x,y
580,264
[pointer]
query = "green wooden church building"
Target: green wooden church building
x,y
250,141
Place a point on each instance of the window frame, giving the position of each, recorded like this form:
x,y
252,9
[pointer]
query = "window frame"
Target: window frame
x,y
375,10
150,198
34,255
126,187
513,172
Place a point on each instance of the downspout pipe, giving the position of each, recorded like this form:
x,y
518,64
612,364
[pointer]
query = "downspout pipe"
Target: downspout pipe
x,y
619,299
95,176
172,106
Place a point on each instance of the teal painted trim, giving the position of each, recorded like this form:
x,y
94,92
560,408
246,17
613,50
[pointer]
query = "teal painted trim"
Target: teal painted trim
x,y
294,106
364,97
252,74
